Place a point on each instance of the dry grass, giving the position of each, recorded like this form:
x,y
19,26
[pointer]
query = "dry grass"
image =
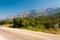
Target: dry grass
x,y
53,31
7,25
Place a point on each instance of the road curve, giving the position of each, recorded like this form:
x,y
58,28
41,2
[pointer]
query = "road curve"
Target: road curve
x,y
20,34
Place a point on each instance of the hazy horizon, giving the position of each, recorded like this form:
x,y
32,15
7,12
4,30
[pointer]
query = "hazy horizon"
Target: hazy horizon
x,y
12,7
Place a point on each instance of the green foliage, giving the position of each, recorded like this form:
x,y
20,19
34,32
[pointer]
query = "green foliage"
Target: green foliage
x,y
5,22
36,24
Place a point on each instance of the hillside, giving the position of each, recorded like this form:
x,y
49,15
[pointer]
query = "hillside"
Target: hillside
x,y
39,12
40,22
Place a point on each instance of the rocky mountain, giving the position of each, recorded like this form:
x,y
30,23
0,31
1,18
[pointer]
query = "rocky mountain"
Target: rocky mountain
x,y
41,12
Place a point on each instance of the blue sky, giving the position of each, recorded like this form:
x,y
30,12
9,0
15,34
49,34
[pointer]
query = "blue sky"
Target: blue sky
x,y
12,7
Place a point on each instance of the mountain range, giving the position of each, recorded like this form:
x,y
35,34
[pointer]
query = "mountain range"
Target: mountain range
x,y
39,12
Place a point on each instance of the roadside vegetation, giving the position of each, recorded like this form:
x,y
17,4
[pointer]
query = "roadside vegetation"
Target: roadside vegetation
x,y
43,24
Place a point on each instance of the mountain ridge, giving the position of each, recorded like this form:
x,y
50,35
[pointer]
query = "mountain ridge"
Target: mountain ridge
x,y
39,12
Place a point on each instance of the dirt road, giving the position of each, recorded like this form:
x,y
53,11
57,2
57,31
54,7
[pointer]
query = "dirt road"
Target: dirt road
x,y
21,34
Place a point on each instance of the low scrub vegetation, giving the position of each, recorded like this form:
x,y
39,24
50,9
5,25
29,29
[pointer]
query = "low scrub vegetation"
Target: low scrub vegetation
x,y
44,24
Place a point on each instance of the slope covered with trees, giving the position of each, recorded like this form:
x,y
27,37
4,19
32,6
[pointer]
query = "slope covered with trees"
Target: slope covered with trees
x,y
35,23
